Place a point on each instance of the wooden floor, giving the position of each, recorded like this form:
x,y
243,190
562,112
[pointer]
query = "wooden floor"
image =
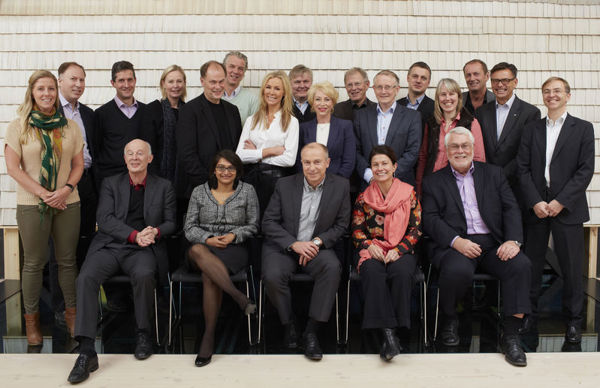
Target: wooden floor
x,y
488,370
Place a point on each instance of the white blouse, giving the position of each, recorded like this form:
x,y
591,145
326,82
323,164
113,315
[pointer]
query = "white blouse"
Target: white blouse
x,y
270,137
322,133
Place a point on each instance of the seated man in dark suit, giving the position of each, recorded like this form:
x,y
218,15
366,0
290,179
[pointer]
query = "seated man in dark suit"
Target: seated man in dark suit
x,y
473,219
418,78
391,124
307,215
136,211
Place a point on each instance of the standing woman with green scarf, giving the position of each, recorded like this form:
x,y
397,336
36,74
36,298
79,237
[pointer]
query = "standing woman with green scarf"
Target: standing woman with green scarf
x,y
44,155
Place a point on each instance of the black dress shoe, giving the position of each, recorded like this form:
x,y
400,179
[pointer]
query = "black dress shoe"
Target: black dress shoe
x,y
143,346
573,335
513,352
312,349
84,365
529,325
391,345
290,338
202,361
449,333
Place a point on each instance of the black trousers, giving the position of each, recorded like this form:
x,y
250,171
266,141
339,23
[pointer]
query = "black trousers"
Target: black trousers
x,y
263,178
387,290
457,270
138,263
278,267
569,248
89,203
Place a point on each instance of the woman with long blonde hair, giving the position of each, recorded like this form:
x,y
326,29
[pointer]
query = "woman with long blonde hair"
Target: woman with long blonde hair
x,y
269,140
44,155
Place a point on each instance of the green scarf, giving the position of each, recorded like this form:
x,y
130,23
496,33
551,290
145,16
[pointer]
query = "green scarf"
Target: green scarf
x,y
49,132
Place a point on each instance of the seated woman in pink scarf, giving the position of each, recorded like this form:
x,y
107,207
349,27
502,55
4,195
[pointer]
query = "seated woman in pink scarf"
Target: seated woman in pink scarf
x,y
386,225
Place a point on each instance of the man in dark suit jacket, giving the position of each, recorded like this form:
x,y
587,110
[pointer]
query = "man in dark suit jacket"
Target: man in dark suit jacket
x,y
512,114
308,213
473,220
418,78
556,164
476,76
301,78
135,213
207,124
356,82
391,124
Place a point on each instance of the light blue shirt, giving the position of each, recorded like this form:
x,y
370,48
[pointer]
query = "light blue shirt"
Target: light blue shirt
x,y
75,115
502,114
384,119
414,106
302,106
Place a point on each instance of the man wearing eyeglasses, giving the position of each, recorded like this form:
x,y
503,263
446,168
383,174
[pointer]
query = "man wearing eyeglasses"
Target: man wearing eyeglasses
x,y
555,166
473,221
356,82
502,121
387,123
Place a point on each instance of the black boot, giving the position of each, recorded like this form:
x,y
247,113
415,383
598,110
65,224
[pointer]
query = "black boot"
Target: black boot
x,y
391,345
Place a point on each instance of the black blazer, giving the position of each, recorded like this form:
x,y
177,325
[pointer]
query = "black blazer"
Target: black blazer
x,y
198,141
340,143
113,205
503,152
425,108
307,116
404,137
444,215
345,109
282,216
571,168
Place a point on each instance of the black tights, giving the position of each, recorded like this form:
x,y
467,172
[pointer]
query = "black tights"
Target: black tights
x,y
215,280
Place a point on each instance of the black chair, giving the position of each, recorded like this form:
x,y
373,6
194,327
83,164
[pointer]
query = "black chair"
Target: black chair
x,y
418,277
182,275
124,279
295,278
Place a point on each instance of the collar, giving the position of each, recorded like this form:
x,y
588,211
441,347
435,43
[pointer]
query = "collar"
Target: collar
x,y
308,187
235,92
64,102
299,103
390,111
458,175
121,104
419,100
356,106
508,103
138,186
558,121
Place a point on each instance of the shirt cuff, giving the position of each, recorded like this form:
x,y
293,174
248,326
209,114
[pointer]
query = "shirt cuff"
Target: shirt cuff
x,y
158,234
132,236
368,175
452,242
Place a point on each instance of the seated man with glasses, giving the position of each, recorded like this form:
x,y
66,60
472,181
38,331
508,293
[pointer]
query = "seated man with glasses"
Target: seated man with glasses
x,y
307,215
502,121
387,123
473,220
136,210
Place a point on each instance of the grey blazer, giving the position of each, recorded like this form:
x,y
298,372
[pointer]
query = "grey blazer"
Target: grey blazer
x,y
113,205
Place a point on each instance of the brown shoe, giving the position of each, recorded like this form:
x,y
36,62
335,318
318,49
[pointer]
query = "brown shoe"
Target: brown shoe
x,y
70,313
32,328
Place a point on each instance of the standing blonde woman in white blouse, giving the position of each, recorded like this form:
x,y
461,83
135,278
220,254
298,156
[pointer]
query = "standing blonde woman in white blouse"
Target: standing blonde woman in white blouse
x,y
269,140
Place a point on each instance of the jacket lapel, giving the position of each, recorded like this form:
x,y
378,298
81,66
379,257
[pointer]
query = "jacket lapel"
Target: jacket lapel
x,y
397,118
479,184
332,140
565,132
297,200
511,119
312,131
372,123
453,188
125,192
490,124
149,192
326,194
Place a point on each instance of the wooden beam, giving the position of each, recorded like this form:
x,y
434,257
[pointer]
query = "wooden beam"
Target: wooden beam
x,y
12,265
592,251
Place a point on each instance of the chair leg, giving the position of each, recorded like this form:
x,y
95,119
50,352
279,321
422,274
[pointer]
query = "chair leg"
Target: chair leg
x,y
170,311
260,307
156,317
424,312
337,318
347,310
437,311
249,326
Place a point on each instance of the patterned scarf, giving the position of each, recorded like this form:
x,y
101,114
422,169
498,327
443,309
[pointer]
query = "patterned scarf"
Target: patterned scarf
x,y
49,132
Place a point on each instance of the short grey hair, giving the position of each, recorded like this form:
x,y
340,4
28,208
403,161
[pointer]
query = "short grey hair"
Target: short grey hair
x,y
147,144
459,131
239,55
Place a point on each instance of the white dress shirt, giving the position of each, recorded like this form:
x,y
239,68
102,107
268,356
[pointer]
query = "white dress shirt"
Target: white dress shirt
x,y
502,114
323,133
270,137
75,115
553,129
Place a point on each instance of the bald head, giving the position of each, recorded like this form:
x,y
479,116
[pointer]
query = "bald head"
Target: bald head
x,y
138,155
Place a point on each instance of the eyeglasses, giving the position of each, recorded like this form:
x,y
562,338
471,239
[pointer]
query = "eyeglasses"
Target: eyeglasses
x,y
455,147
504,81
547,92
221,168
386,88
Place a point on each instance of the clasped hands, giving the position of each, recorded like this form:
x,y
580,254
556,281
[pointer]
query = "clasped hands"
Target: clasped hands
x,y
146,237
220,241
306,250
377,253
506,251
543,209
57,198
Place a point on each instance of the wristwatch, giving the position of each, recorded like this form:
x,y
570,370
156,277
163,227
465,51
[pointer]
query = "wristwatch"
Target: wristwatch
x,y
519,244
317,241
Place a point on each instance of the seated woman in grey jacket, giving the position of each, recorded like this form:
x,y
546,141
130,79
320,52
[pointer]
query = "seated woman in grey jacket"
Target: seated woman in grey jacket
x,y
222,214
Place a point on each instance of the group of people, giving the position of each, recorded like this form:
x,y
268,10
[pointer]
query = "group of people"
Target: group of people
x,y
479,173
